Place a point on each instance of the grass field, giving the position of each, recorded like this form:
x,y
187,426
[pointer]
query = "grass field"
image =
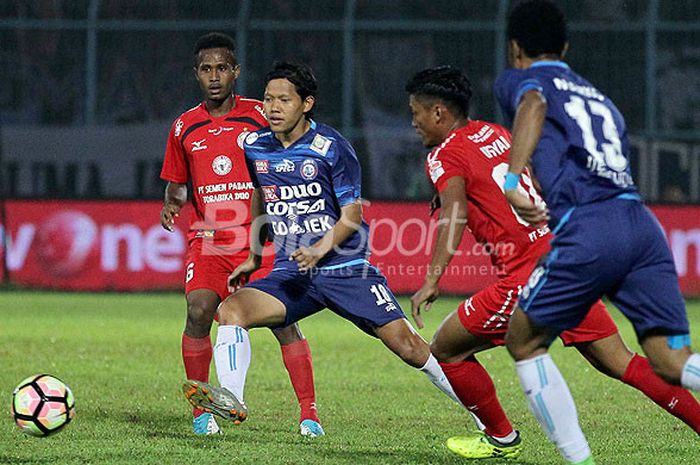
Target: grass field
x,y
121,356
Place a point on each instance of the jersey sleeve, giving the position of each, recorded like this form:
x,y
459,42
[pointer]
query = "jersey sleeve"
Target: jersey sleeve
x,y
443,164
175,167
346,174
510,87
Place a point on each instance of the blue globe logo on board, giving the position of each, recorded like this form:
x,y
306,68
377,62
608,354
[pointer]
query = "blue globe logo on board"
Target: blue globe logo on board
x,y
309,169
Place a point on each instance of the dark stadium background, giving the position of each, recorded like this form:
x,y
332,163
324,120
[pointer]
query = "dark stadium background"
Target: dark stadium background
x,y
89,88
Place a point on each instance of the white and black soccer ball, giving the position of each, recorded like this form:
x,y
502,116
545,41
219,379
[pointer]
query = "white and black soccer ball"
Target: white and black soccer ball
x,y
42,405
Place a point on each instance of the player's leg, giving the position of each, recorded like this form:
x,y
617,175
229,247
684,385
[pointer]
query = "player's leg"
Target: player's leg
x,y
598,340
651,298
546,391
247,308
360,294
205,286
296,355
478,324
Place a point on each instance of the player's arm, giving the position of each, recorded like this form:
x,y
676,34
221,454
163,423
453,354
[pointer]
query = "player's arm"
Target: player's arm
x,y
453,219
349,222
527,130
258,237
175,199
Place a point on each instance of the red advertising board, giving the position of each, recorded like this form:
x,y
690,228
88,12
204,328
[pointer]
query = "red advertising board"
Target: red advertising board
x,y
120,245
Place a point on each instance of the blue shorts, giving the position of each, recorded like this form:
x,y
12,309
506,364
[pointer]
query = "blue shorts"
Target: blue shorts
x,y
614,248
358,293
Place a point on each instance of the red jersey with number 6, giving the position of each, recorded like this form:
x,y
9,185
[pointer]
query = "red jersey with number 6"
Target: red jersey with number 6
x,y
208,151
478,152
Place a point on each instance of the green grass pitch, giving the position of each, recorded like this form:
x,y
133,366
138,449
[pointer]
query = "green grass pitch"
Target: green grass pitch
x,y
121,356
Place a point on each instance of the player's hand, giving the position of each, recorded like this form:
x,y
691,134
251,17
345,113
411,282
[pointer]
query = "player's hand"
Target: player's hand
x,y
526,209
168,213
306,257
240,276
425,295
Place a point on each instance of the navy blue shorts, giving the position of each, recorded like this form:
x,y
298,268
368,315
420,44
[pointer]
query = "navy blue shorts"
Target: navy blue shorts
x,y
358,293
614,248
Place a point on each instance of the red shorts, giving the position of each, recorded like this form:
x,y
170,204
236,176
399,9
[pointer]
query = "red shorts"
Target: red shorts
x,y
206,267
486,315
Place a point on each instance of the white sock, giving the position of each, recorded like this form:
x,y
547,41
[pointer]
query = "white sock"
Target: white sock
x,y
690,376
550,400
433,371
232,358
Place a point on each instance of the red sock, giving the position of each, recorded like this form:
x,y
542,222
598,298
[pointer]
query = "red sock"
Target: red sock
x,y
674,399
196,353
297,360
474,387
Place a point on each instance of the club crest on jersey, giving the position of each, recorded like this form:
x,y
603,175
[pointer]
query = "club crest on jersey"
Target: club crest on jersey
x,y
285,166
178,127
270,193
199,145
261,166
222,165
309,169
320,145
242,137
251,138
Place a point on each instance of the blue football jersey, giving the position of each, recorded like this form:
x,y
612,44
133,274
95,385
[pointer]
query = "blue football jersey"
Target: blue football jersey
x,y
304,187
583,154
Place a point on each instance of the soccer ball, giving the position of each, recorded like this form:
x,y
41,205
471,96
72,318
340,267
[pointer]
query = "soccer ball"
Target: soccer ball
x,y
42,405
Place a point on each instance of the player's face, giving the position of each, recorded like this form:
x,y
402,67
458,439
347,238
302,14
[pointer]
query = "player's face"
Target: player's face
x,y
216,72
284,107
425,121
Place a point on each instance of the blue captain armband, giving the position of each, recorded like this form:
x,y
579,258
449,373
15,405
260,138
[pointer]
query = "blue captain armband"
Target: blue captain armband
x,y
512,181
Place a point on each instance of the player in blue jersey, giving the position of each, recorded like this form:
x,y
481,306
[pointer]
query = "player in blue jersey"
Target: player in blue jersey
x,y
606,242
307,180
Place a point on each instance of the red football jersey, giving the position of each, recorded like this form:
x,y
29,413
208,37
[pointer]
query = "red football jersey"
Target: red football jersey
x,y
208,151
478,152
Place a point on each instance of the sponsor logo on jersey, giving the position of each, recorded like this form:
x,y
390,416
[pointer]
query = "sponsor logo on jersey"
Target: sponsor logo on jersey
x,y
320,145
222,165
219,130
483,135
261,166
241,137
178,127
285,166
251,138
199,145
436,170
270,193
309,169
300,191
261,111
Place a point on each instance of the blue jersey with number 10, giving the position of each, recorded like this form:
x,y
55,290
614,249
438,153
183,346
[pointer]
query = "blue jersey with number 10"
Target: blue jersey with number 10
x,y
583,154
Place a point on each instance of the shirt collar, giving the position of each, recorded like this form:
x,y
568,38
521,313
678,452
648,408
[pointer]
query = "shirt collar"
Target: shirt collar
x,y
557,63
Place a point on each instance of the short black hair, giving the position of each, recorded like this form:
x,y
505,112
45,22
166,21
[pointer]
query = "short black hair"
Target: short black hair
x,y
446,83
538,26
215,40
298,74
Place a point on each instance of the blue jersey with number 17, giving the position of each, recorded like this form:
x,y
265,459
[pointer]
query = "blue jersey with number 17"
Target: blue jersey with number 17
x,y
583,154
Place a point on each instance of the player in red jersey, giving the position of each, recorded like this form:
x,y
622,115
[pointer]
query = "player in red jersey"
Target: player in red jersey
x,y
467,166
205,147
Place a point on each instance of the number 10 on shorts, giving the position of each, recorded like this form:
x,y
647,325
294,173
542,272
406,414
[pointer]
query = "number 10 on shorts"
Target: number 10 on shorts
x,y
383,296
